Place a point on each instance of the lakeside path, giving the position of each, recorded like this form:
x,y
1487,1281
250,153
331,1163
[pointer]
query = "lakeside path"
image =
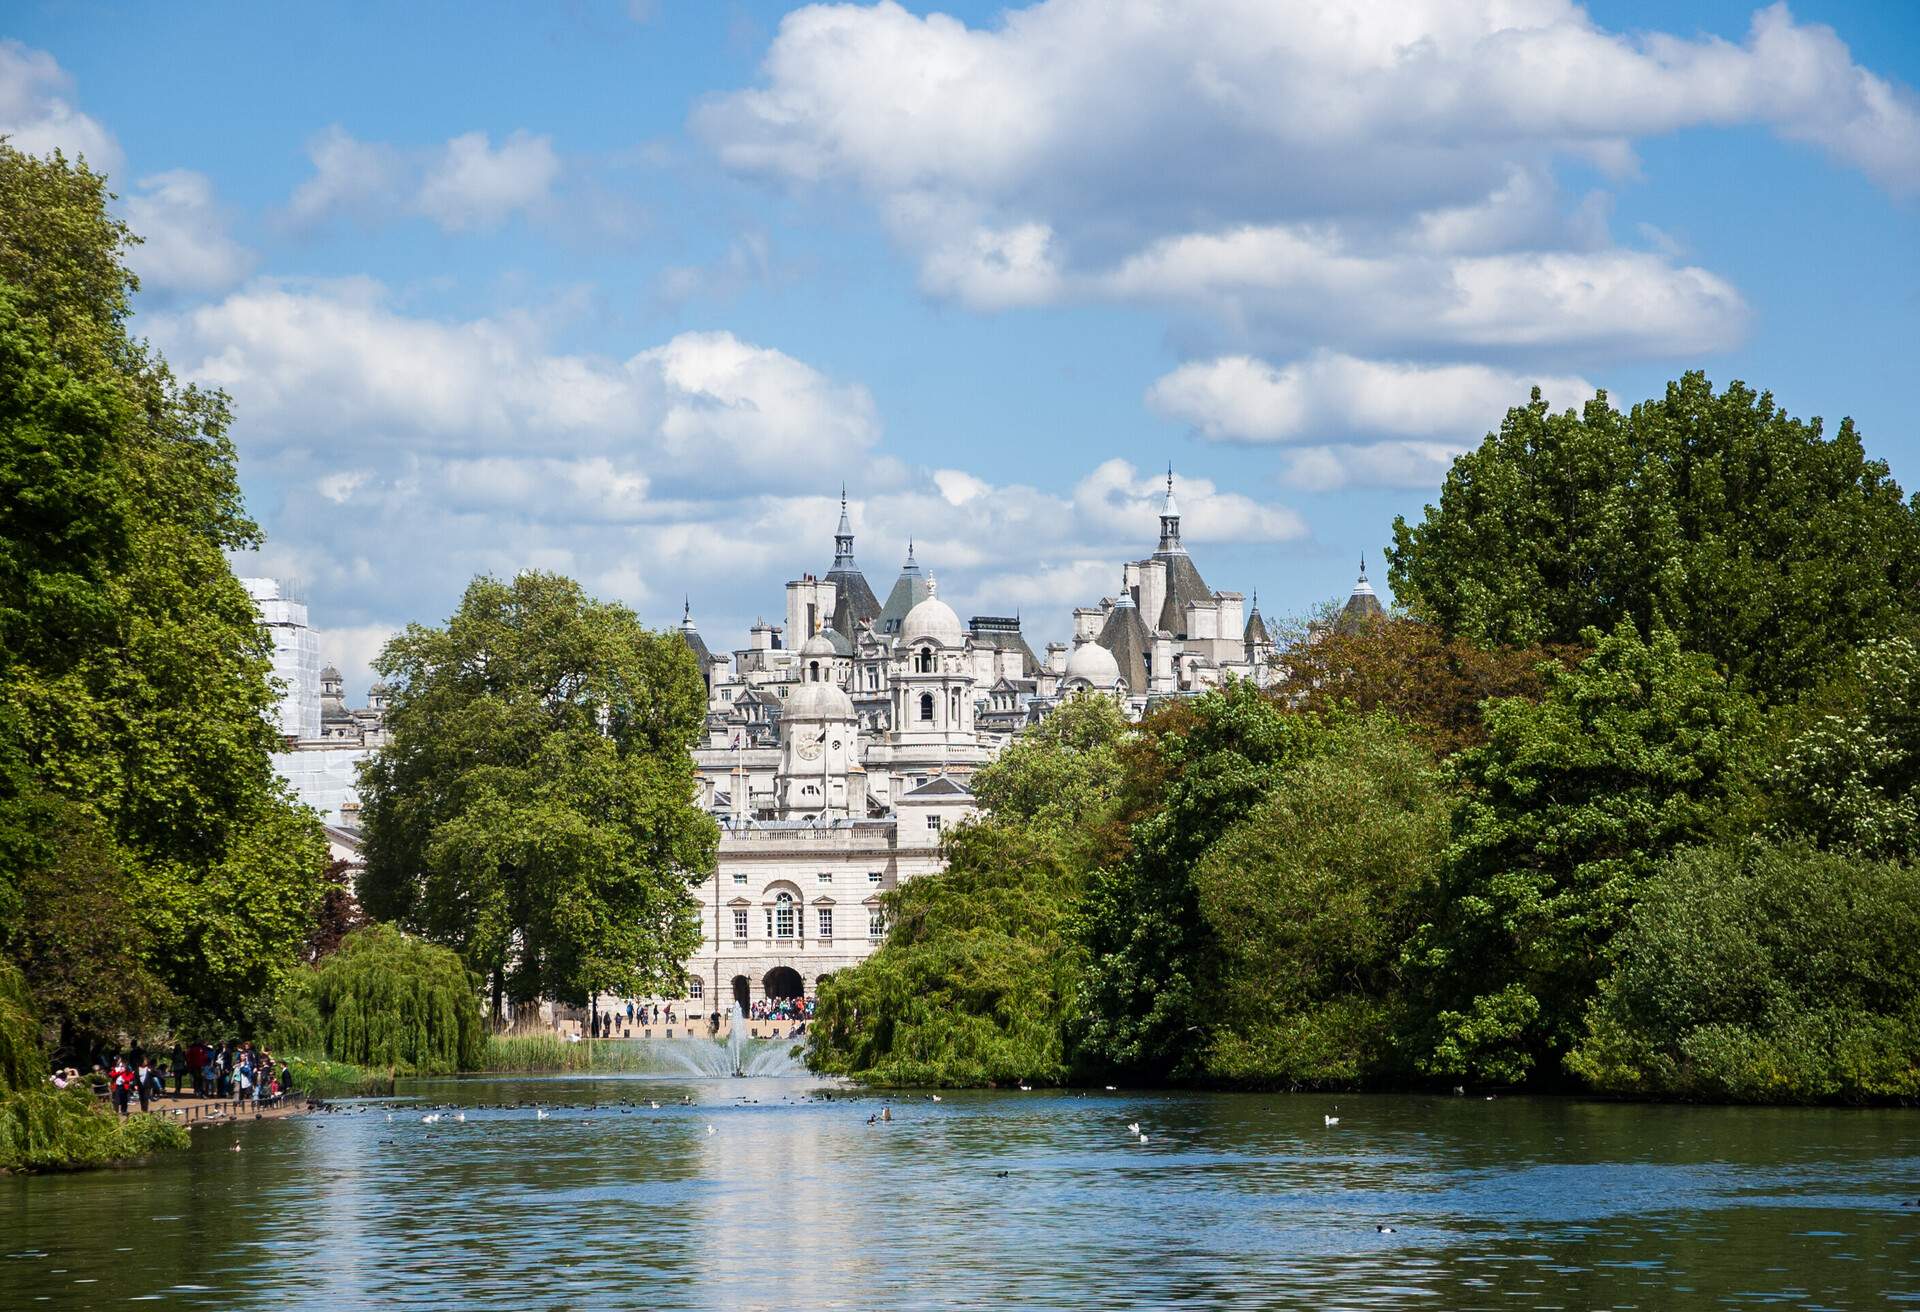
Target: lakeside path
x,y
197,1112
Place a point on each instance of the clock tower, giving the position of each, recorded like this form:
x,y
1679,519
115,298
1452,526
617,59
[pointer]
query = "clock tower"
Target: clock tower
x,y
820,776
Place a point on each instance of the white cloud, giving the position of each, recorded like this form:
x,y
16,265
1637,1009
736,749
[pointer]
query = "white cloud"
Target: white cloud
x,y
1328,395
473,185
330,363
466,184
185,246
1295,172
1370,464
37,116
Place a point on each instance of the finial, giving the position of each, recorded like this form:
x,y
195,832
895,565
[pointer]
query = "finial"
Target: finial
x,y
843,494
1363,564
1169,476
686,609
909,551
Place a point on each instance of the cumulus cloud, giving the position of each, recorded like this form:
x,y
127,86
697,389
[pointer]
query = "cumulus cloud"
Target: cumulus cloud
x,y
1370,174
185,246
1241,399
1370,464
465,184
37,116
331,363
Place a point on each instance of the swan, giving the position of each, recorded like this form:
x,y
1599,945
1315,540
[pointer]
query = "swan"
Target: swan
x,y
540,1113
1133,1127
1332,1120
1143,1138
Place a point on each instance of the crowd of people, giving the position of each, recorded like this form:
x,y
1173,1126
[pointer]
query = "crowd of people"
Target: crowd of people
x,y
782,1009
231,1071
612,1025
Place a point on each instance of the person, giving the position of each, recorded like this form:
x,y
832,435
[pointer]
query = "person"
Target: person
x,y
197,1066
61,1079
143,1081
122,1085
177,1064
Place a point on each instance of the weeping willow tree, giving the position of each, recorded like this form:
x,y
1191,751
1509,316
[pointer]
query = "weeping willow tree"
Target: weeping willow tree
x,y
47,1129
389,1001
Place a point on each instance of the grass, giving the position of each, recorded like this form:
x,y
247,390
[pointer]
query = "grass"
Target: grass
x,y
547,1054
47,1129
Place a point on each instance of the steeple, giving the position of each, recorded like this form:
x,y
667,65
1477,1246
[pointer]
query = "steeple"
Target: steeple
x,y
1170,519
843,536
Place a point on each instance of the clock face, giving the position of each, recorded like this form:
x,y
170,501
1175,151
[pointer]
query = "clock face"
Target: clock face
x,y
809,751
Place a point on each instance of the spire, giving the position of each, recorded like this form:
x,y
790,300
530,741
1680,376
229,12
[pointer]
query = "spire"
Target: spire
x,y
1170,519
843,536
686,611
1363,567
910,564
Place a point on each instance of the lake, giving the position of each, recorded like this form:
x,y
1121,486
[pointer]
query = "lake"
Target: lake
x,y
763,1193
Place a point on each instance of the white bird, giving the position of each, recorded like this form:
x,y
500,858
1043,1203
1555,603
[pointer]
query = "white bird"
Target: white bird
x,y
540,1113
430,1118
236,1147
1026,1088
654,1105
936,1097
1110,1088
389,1118
710,1130
1143,1138
1332,1120
1133,1127
460,1116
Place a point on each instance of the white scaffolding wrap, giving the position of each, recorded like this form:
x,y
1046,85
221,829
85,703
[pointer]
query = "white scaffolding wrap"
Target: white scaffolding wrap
x,y
325,778
296,657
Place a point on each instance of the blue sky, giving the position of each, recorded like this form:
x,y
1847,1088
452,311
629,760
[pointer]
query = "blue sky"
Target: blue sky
x,y
627,290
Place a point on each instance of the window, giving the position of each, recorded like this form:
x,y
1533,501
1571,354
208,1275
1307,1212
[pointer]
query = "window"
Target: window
x,y
873,876
876,922
740,924
926,706
826,922
813,671
782,918
923,664
694,988
826,876
739,876
933,824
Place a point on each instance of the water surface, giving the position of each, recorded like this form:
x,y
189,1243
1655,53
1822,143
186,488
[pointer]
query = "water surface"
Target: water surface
x,y
763,1193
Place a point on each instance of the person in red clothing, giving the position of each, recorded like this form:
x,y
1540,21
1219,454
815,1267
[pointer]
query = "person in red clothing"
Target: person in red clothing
x,y
121,1081
197,1066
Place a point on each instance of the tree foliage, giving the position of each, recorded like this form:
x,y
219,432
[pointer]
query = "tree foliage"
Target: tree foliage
x,y
1757,973
976,982
1755,537
392,1002
133,673
533,808
1431,683
1309,902
1570,805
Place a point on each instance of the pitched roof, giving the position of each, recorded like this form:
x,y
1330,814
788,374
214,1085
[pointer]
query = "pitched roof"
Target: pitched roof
x,y
938,786
853,600
1362,606
1125,636
909,590
1003,634
1184,585
1256,634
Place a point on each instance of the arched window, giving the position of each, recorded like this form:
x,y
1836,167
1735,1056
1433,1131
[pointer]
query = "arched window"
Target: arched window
x,y
694,988
925,663
813,672
781,919
926,706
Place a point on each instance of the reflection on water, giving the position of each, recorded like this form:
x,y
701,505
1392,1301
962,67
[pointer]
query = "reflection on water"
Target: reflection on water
x,y
766,1194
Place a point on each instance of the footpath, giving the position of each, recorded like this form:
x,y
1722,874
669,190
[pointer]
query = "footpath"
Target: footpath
x,y
197,1112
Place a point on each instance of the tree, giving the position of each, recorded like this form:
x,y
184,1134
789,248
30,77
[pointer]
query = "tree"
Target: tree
x,y
1849,780
976,982
1310,901
533,808
390,1001
134,678
1570,805
1431,683
1763,974
1752,535
1197,768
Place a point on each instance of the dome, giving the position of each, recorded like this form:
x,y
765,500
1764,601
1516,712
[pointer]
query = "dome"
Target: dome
x,y
933,618
328,672
379,689
1095,664
817,701
818,645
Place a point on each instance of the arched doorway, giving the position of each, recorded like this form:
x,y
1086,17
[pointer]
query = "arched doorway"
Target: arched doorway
x,y
783,982
742,993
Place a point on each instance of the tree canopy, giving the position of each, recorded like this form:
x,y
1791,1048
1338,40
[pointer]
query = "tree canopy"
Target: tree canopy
x,y
533,807
134,677
1755,537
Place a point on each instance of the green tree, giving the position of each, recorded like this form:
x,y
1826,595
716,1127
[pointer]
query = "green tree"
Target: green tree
x,y
133,672
1310,901
533,808
1198,768
1570,805
1849,779
1763,974
392,1002
1751,534
976,982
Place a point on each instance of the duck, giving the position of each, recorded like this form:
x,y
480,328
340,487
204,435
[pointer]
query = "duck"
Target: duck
x,y
1384,1229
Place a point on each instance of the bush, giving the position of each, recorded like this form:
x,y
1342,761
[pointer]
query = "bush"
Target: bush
x,y
47,1129
1764,974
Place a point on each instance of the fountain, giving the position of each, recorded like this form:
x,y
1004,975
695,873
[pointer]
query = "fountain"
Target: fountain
x,y
736,1054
